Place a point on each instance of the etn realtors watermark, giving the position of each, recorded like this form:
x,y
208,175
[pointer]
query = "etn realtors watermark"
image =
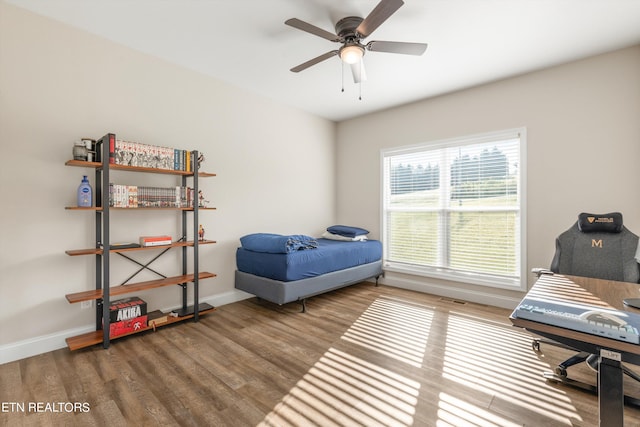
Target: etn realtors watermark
x,y
53,407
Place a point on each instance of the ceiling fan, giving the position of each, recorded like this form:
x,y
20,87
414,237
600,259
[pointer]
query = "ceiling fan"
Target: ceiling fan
x,y
350,32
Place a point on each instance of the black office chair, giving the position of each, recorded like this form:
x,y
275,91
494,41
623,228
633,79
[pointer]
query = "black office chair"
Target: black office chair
x,y
597,246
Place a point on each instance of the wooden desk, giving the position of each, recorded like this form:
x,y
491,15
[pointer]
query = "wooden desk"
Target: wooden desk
x,y
595,293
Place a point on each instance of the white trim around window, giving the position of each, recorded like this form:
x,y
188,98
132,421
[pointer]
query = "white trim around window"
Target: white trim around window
x,y
455,209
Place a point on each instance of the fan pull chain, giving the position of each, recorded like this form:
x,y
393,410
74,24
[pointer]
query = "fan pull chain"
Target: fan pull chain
x,y
360,82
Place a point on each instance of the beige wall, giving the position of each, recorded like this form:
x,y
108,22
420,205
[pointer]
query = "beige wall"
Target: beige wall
x,y
583,127
58,84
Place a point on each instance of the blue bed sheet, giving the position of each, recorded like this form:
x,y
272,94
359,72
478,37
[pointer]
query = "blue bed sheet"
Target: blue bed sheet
x,y
331,255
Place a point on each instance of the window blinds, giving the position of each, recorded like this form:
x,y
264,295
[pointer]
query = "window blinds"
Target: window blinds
x,y
455,207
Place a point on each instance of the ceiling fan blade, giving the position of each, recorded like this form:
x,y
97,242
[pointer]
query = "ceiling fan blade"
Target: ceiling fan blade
x,y
397,47
312,29
314,61
378,15
357,70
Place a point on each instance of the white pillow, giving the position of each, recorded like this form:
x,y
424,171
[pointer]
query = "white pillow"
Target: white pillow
x,y
331,236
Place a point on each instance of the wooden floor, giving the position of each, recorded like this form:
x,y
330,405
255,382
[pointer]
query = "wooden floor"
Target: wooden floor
x,y
363,355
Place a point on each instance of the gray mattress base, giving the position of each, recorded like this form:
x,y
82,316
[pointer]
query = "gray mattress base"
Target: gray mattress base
x,y
284,292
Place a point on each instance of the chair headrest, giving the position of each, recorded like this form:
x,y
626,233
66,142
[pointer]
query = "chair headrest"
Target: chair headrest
x,y
604,223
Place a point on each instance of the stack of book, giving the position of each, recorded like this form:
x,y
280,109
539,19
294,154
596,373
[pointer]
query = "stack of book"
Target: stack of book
x,y
131,153
134,196
155,240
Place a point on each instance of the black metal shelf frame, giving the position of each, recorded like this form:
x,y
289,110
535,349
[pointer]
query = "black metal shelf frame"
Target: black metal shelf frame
x,y
102,239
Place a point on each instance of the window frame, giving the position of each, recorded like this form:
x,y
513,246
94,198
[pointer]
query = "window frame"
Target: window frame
x,y
483,279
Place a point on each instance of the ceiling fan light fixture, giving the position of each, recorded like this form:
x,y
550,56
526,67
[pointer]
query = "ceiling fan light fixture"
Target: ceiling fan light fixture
x,y
350,31
351,54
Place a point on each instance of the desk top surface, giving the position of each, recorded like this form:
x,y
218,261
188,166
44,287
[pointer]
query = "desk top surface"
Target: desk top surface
x,y
597,293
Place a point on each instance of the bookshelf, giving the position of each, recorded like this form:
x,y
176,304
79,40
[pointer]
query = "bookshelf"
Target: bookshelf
x,y
103,291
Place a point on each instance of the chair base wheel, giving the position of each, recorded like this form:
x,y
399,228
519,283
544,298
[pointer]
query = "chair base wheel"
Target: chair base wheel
x,y
535,345
560,372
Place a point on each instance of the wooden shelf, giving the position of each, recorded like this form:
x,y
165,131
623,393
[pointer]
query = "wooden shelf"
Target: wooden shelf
x,y
98,165
206,174
97,208
83,164
77,208
98,251
102,219
95,337
135,287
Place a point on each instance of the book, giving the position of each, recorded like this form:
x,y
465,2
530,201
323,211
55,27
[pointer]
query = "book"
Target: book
x,y
112,149
124,245
155,240
157,318
137,154
133,196
162,237
158,243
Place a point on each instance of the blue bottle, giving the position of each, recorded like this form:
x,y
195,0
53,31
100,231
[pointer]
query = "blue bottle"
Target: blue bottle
x,y
85,193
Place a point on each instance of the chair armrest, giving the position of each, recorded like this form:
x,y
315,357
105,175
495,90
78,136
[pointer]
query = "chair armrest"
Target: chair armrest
x,y
538,271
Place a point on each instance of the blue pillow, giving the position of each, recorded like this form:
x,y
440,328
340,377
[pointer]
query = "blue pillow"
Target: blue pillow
x,y
347,231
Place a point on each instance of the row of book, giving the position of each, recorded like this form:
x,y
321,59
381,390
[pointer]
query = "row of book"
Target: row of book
x,y
135,196
131,153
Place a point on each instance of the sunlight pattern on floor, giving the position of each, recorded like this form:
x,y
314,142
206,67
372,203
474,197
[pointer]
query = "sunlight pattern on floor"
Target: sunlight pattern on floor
x,y
510,371
453,412
397,329
343,389
486,367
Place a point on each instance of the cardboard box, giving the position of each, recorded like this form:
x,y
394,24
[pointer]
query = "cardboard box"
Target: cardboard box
x,y
127,326
127,308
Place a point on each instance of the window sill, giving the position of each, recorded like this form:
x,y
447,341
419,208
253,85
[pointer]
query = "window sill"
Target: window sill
x,y
501,282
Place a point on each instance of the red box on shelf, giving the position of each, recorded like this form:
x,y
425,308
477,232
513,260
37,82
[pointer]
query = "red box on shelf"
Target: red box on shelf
x,y
127,326
127,308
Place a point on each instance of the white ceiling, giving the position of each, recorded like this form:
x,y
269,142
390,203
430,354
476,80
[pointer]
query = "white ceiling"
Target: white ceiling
x,y
245,42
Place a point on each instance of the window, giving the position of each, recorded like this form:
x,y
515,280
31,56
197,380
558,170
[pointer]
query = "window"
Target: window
x,y
453,209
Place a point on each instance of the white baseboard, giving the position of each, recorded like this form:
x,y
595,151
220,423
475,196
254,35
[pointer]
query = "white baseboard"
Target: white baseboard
x,y
472,295
38,345
45,343
225,298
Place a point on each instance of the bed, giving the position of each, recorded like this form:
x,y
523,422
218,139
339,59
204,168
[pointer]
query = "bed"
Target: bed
x,y
307,268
